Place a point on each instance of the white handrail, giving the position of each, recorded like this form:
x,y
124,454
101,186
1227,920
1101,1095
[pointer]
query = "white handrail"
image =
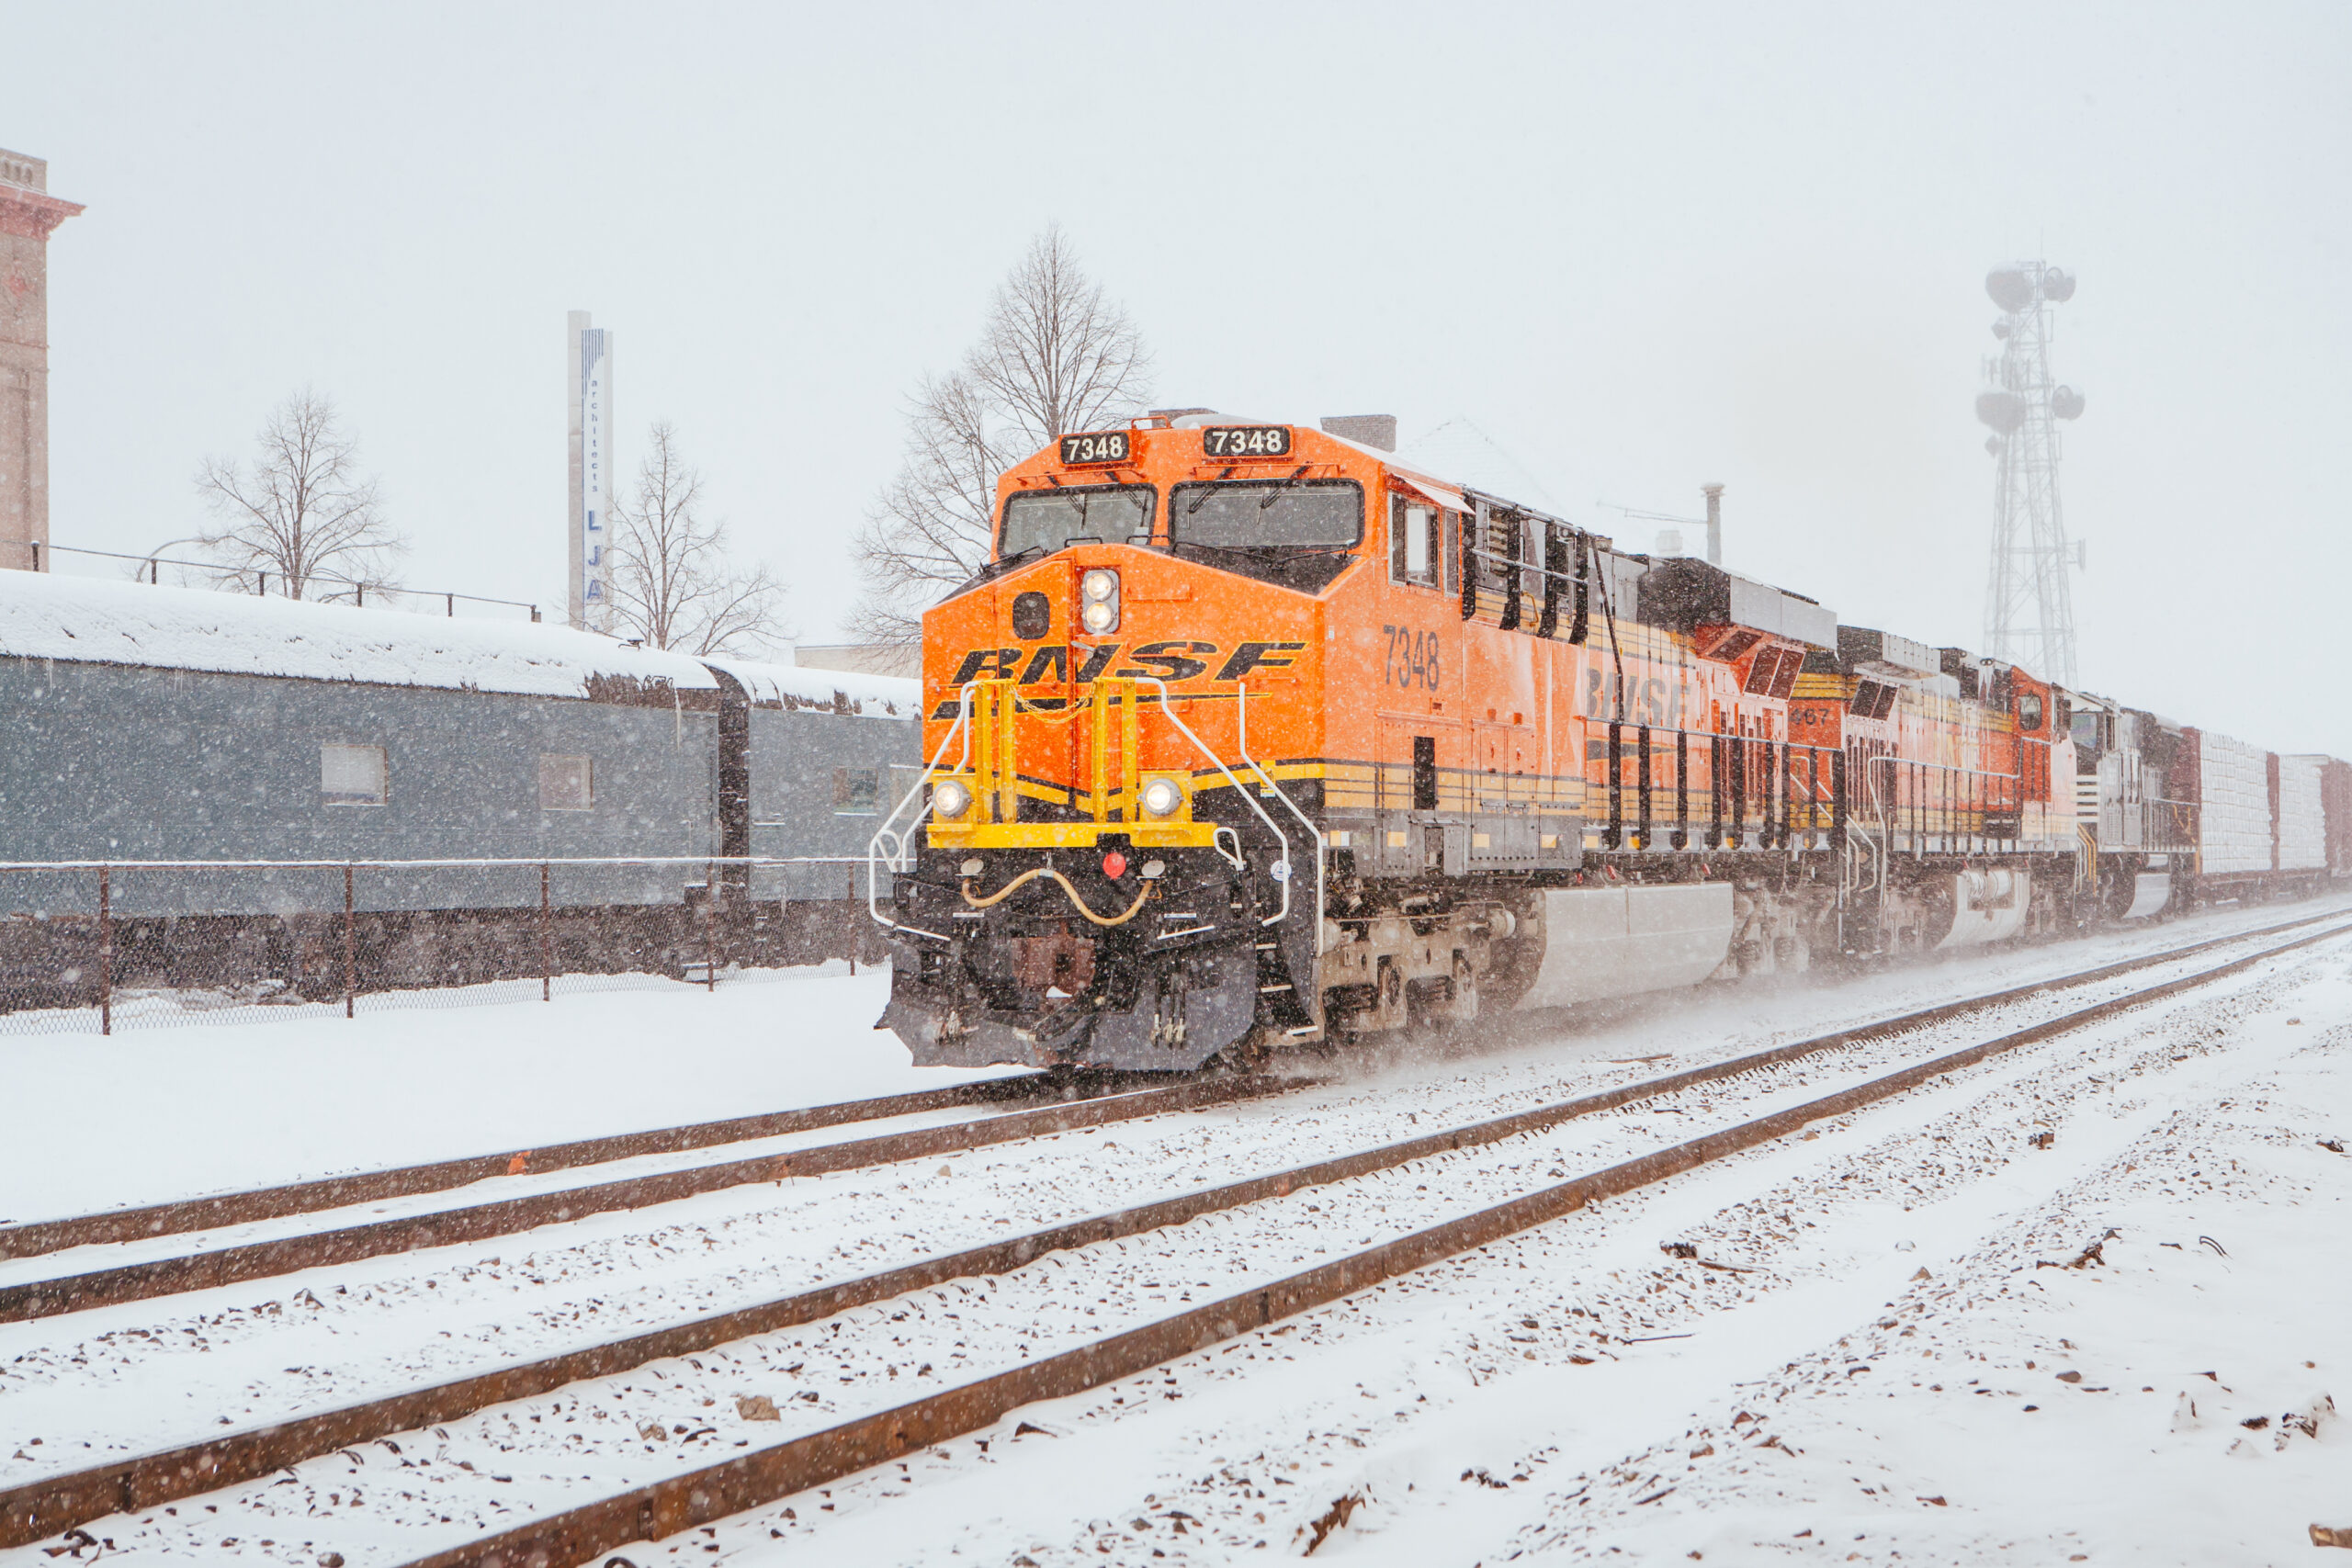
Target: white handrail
x,y
896,852
1283,871
1242,732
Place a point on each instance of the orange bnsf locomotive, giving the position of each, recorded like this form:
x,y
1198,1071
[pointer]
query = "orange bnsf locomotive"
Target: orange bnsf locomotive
x,y
1251,733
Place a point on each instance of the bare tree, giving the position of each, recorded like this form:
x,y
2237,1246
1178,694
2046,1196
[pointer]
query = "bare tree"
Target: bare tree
x,y
302,511
673,585
1053,357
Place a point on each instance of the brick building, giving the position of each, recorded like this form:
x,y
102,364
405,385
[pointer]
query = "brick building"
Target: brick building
x,y
28,215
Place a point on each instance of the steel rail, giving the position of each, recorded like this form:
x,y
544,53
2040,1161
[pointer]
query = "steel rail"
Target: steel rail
x,y
663,1508
34,1237
505,1216
36,1509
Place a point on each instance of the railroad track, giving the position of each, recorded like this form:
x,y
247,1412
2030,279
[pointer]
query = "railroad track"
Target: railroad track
x,y
35,1238
207,1268
43,1507
1063,1109
669,1506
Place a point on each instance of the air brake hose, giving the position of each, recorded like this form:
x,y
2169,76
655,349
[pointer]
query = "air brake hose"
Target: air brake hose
x,y
1078,903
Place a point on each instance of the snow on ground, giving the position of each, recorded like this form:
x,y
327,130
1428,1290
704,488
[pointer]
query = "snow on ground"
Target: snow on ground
x,y
267,1349
151,1115
1912,1374
1525,1401
1505,1394
155,1114
237,1353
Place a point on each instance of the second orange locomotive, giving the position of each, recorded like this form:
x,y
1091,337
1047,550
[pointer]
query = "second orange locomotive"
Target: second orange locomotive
x,y
1248,733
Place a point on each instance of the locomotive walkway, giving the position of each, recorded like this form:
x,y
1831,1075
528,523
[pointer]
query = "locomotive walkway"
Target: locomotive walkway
x,y
43,1508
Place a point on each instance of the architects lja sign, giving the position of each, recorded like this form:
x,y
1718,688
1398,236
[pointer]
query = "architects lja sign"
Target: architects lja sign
x,y
591,355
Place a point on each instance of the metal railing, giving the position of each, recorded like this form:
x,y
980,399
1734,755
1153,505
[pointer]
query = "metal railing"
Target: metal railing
x,y
1930,800
38,553
184,938
1692,787
985,723
2168,826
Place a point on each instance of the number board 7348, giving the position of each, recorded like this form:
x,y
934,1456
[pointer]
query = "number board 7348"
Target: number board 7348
x,y
1102,447
1246,441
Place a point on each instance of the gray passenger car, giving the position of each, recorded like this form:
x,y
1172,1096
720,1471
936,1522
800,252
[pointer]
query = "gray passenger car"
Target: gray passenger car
x,y
145,723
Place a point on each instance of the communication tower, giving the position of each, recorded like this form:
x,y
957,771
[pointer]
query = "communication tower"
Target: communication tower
x,y
2028,608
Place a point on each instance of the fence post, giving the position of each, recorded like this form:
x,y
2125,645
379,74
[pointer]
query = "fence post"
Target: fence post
x,y
547,940
106,950
854,928
710,931
350,971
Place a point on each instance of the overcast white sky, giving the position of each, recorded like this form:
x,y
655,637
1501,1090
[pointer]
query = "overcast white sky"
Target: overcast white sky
x,y
1643,247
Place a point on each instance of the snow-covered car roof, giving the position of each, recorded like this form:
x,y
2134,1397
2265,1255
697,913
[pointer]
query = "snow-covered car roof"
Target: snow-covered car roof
x,y
96,620
844,691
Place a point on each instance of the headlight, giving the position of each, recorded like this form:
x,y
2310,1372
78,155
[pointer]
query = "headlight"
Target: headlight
x,y
1162,797
1100,585
1099,617
951,797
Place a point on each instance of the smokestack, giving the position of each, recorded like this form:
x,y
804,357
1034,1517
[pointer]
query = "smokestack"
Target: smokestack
x,y
1715,494
1364,429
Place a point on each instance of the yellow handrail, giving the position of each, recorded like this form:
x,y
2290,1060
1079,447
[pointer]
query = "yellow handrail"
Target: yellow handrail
x,y
998,706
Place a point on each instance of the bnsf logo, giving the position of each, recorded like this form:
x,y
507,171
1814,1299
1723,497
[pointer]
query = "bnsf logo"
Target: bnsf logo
x,y
1175,660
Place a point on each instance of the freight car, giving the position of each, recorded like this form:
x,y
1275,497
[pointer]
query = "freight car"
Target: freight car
x,y
146,722
2174,815
1250,733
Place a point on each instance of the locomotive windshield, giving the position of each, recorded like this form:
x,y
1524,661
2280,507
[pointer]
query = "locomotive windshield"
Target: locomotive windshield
x,y
1257,514
1039,522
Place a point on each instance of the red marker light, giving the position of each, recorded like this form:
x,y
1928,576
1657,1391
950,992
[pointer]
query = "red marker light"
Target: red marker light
x,y
1114,865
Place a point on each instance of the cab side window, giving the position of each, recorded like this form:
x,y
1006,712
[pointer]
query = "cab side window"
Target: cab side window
x,y
1416,542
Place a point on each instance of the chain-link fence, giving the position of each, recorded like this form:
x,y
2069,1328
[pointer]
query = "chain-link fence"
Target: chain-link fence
x,y
98,946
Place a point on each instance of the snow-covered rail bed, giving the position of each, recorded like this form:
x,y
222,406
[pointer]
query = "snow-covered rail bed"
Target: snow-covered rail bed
x,y
240,1358
146,1267
295,1099
301,1235
665,1148
1923,1364
1912,1374
591,1439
